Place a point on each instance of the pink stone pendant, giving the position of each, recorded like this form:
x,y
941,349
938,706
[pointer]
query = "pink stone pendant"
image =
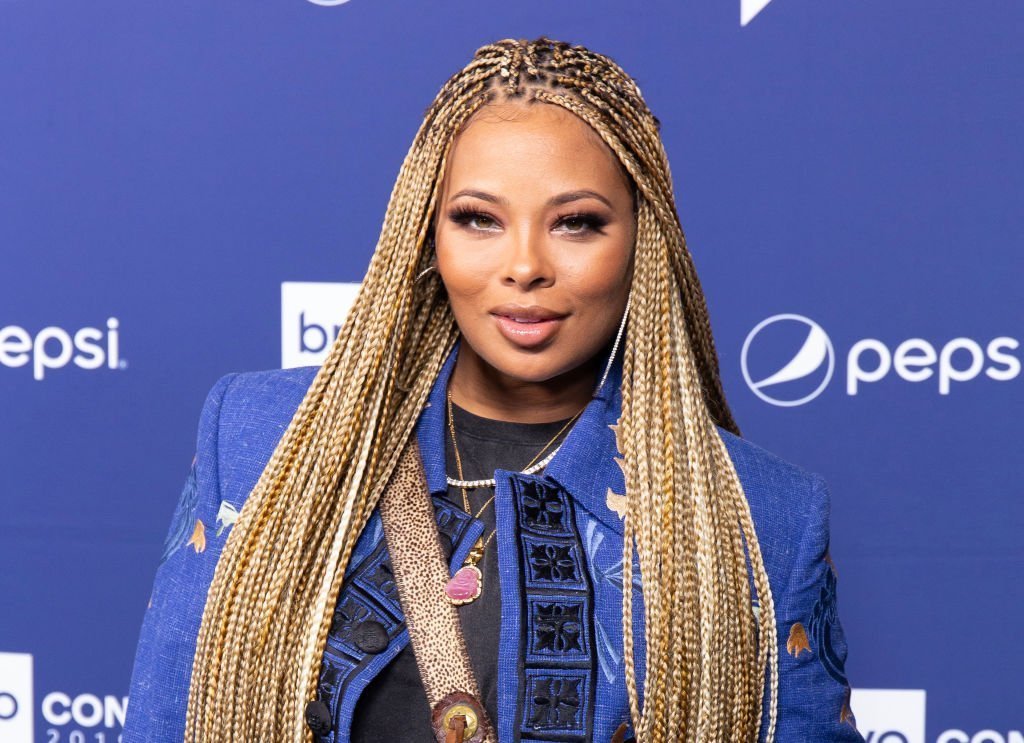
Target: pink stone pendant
x,y
465,585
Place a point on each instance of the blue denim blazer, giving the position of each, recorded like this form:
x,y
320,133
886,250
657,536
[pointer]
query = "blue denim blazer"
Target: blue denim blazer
x,y
560,665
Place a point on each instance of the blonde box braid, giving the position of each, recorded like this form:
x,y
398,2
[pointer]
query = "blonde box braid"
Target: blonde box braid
x,y
687,525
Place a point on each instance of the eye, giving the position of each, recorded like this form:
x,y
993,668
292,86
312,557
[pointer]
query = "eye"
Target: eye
x,y
582,224
472,219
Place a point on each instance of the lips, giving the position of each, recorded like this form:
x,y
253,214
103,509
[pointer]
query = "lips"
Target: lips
x,y
533,313
527,327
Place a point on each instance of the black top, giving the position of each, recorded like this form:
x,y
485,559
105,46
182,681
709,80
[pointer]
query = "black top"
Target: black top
x,y
394,706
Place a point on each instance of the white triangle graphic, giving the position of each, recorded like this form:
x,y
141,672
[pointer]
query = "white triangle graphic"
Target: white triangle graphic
x,y
750,8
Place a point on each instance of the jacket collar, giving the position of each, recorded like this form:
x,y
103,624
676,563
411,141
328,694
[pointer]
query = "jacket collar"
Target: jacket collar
x,y
585,464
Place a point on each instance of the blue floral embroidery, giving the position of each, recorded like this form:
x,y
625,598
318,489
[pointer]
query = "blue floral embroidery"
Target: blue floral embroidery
x,y
552,562
611,575
558,704
183,521
542,507
609,654
558,627
557,661
555,703
823,618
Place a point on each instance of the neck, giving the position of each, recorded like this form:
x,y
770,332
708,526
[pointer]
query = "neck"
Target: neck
x,y
483,390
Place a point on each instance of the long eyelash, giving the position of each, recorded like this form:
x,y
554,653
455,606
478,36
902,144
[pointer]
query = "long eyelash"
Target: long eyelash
x,y
593,221
457,213
461,214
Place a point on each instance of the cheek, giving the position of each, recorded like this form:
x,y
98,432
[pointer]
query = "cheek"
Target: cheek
x,y
601,288
600,280
465,273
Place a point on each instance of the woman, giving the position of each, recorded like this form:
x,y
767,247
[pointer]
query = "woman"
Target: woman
x,y
532,331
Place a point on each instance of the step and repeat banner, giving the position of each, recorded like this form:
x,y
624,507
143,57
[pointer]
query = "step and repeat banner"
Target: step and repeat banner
x,y
193,188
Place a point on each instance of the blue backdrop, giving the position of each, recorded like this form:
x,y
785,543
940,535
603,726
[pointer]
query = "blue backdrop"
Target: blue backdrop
x,y
849,177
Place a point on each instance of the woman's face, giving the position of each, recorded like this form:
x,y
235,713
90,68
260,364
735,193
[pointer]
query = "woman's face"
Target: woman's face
x,y
534,233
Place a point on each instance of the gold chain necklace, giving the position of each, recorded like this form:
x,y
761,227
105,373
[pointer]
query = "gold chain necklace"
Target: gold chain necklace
x,y
468,582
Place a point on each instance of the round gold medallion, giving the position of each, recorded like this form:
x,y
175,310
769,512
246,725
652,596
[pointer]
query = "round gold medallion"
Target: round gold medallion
x,y
466,711
444,716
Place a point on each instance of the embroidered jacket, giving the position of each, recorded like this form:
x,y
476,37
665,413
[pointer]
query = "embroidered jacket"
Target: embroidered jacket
x,y
560,664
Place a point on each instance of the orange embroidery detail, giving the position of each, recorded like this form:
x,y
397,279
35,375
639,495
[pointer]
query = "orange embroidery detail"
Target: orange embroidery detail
x,y
198,538
797,641
846,715
828,559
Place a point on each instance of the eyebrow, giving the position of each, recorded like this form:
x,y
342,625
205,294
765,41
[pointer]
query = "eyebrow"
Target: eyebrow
x,y
562,198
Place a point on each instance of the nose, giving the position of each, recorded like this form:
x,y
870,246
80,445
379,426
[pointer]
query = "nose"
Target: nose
x,y
528,263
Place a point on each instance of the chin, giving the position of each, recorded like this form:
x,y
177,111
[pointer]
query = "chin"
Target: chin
x,y
530,365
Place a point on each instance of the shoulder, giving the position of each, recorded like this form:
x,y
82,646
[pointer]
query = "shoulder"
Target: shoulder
x,y
788,503
243,419
270,394
764,471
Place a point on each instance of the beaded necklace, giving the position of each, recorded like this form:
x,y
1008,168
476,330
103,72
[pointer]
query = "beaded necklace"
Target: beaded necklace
x,y
468,582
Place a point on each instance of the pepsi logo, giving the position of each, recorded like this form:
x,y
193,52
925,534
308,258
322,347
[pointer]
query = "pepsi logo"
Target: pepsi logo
x,y
787,360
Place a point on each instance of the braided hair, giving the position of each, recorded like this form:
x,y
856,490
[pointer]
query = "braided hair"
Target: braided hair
x,y
708,653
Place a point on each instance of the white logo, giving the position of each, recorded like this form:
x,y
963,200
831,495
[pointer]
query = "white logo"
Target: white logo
x,y
748,9
312,314
982,736
889,715
788,360
814,359
16,711
84,710
331,2
55,348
